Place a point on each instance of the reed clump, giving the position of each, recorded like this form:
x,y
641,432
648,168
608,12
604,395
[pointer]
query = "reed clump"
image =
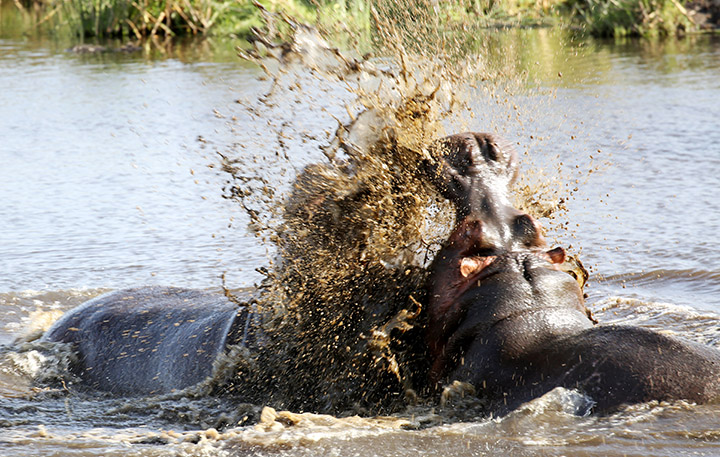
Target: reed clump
x,y
118,18
149,18
620,18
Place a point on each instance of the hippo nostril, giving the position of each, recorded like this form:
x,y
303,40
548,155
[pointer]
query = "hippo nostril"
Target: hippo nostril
x,y
526,230
491,150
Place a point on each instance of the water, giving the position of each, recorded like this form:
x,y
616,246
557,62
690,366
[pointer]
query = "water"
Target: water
x,y
115,178
109,178
651,222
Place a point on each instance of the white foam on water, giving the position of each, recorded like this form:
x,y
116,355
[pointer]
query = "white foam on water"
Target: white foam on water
x,y
283,428
36,364
46,440
664,317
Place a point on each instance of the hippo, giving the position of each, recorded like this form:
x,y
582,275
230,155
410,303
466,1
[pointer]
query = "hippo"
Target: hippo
x,y
500,313
152,340
505,318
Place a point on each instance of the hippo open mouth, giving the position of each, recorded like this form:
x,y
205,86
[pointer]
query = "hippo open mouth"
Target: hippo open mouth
x,y
468,272
476,266
469,259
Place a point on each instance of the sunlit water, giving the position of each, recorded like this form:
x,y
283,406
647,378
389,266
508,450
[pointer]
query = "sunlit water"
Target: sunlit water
x,y
109,178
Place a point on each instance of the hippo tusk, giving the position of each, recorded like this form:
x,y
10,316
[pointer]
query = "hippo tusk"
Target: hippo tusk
x,y
472,265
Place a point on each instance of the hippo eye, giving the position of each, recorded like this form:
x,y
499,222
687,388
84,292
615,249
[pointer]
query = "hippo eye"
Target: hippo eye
x,y
464,158
525,230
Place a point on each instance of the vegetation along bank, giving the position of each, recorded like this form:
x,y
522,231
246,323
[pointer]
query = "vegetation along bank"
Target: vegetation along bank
x,y
136,19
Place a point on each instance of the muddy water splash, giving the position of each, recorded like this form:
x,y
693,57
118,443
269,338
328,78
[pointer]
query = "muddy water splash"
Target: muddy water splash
x,y
356,225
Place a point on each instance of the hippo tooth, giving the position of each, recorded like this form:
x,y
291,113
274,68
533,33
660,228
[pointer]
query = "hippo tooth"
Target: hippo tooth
x,y
472,265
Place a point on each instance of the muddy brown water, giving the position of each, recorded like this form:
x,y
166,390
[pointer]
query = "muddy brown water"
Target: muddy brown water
x,y
109,178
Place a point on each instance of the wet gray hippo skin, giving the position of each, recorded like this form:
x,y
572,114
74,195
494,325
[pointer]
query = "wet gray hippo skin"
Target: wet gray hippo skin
x,y
505,319
150,340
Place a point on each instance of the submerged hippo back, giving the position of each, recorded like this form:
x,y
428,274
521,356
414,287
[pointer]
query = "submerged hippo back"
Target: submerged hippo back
x,y
618,365
148,340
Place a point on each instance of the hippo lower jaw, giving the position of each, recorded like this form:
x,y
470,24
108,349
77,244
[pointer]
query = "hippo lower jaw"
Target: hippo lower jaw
x,y
466,262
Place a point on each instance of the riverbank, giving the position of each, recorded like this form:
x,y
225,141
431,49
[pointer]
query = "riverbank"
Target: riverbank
x,y
150,18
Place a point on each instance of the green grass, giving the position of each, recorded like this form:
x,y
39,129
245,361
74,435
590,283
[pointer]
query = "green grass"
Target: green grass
x,y
419,20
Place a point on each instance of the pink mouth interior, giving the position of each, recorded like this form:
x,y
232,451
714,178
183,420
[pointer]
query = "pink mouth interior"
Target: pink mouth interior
x,y
473,265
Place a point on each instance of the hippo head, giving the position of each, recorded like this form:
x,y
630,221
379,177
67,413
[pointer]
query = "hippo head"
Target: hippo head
x,y
496,293
474,171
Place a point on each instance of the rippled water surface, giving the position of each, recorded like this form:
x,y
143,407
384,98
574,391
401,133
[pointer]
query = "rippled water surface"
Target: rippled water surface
x,y
109,178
